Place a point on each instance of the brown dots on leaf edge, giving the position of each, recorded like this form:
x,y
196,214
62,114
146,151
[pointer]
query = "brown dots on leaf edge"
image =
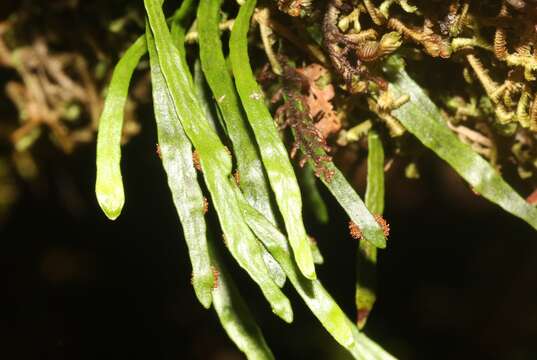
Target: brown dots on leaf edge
x,y
205,205
196,160
356,233
216,277
237,177
384,224
354,230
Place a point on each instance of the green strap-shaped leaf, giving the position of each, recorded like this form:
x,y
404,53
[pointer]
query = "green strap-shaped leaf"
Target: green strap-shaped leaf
x,y
177,28
273,153
353,205
423,119
366,349
274,269
253,182
109,184
374,194
312,197
235,316
176,154
366,259
215,162
205,98
340,188
321,304
317,256
252,179
326,310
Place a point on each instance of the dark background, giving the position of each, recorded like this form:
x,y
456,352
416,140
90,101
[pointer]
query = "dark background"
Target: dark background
x,y
458,279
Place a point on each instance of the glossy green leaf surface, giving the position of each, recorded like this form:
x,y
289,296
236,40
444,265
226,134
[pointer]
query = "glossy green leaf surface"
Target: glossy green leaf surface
x,y
253,181
177,28
324,308
320,302
215,162
251,176
176,155
374,194
366,259
273,267
235,316
366,349
423,119
353,205
109,183
310,192
273,153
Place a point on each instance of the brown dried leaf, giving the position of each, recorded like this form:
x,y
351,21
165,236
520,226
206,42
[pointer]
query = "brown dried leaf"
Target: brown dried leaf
x,y
319,100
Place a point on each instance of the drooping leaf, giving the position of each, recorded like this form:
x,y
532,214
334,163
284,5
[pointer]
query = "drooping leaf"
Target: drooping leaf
x,y
274,269
176,154
178,28
317,256
321,304
249,174
215,162
253,181
374,195
234,315
423,119
312,197
353,205
273,153
366,259
326,310
109,183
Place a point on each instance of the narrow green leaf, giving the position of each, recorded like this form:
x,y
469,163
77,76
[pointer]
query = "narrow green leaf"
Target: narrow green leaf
x,y
312,197
176,154
235,316
423,119
109,184
317,256
177,28
325,309
253,182
273,153
252,179
320,302
374,195
274,269
366,349
215,162
204,97
353,205
347,197
366,259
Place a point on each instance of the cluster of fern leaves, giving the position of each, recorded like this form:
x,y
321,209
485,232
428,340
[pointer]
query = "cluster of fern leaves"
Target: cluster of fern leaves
x,y
223,151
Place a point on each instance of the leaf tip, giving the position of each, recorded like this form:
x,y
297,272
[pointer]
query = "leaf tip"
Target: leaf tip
x,y
110,198
285,311
204,296
308,269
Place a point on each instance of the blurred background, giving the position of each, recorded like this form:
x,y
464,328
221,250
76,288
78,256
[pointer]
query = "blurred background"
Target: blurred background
x,y
457,281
